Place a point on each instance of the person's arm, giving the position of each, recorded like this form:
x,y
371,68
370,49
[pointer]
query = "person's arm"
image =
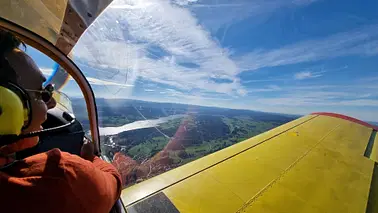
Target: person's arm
x,y
109,169
97,184
87,152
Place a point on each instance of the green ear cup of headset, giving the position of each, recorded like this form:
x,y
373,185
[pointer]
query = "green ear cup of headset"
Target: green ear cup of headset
x,y
12,113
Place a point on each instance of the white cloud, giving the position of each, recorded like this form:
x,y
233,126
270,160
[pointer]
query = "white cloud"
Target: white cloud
x,y
367,95
270,88
242,92
365,115
184,2
285,101
362,41
265,80
149,90
369,79
318,95
274,87
327,97
319,98
297,105
169,43
176,31
300,75
123,36
360,102
306,74
317,87
153,41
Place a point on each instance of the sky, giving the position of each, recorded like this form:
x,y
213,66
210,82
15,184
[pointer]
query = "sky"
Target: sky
x,y
294,56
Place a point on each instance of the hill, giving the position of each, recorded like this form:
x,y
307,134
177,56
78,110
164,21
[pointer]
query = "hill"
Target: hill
x,y
151,151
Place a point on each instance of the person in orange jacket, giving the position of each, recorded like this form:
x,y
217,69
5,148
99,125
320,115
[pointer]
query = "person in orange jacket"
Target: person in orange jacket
x,y
53,181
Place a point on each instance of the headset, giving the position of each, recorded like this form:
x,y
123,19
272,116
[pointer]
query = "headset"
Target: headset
x,y
15,104
16,110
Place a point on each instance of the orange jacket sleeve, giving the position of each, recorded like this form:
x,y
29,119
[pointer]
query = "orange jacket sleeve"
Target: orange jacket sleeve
x,y
59,182
96,185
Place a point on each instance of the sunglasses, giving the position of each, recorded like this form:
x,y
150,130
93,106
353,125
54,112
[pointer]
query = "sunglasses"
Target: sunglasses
x,y
45,94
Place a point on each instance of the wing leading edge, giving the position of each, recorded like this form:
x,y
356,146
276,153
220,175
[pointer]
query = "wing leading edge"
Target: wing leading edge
x,y
317,163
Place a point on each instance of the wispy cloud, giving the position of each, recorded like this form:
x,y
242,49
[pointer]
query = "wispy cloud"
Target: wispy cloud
x,y
265,80
369,79
362,41
149,90
156,41
306,74
316,87
354,111
367,95
171,44
360,102
184,2
310,98
293,96
316,103
270,88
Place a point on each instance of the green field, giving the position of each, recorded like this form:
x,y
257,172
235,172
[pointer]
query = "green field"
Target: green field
x,y
195,142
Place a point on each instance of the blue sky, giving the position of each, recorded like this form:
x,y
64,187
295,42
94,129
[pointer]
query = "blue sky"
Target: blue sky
x,y
297,56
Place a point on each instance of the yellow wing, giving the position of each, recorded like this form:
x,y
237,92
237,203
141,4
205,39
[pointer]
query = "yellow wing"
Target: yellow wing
x,y
318,163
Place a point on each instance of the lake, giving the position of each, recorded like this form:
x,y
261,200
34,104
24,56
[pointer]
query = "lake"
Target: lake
x,y
106,131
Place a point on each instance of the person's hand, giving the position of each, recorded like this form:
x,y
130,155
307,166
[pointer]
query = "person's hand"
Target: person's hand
x,y
87,150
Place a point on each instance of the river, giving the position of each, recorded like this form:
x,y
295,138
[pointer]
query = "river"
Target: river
x,y
105,131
